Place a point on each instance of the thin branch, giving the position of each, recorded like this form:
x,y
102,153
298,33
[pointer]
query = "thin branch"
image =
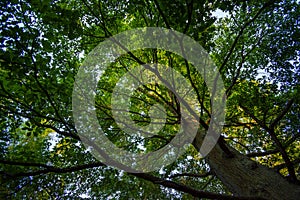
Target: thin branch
x,y
283,165
264,153
282,150
282,114
258,121
206,174
48,169
207,183
18,163
57,130
273,151
162,14
190,9
267,4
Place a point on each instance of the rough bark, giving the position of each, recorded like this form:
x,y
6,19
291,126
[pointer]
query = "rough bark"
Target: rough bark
x,y
245,177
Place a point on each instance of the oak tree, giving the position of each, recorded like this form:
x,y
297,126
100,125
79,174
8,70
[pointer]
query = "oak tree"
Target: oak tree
x,y
255,46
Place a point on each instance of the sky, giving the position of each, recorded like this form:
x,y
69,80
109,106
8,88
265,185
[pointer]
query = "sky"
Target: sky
x,y
219,13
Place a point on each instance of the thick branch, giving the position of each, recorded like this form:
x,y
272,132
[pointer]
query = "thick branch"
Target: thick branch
x,y
186,189
151,178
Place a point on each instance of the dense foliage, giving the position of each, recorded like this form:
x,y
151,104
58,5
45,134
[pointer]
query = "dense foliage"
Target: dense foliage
x,y
43,44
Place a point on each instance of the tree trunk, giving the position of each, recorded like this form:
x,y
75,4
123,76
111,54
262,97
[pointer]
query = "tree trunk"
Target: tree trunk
x,y
244,177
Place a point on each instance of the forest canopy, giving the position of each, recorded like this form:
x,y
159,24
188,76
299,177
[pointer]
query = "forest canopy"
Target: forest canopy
x,y
255,48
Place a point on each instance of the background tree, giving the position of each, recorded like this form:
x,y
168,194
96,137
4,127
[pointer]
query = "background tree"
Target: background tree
x,y
256,48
